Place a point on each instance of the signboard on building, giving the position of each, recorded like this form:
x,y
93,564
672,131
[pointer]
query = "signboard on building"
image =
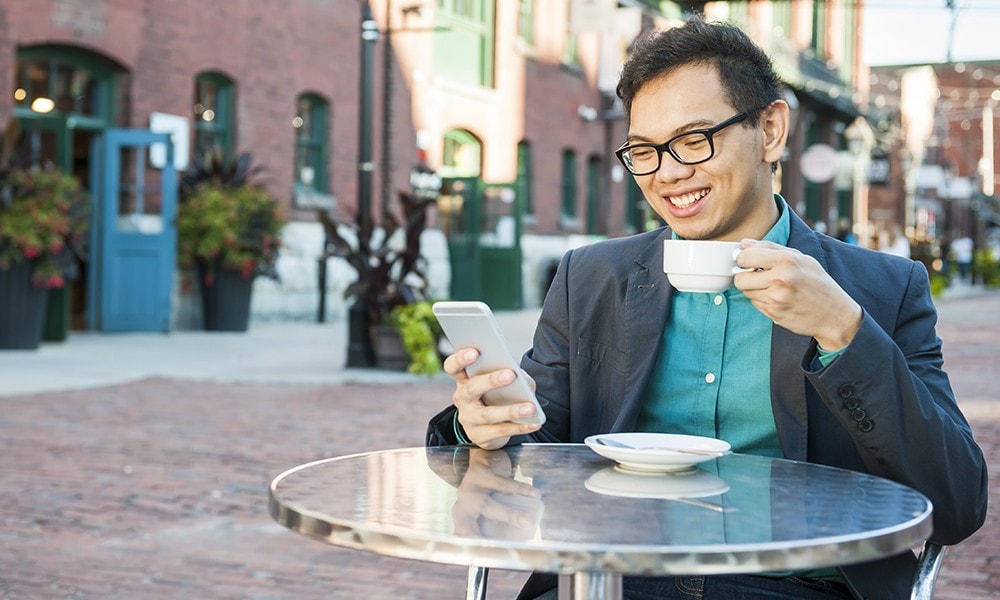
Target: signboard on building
x,y
426,184
819,163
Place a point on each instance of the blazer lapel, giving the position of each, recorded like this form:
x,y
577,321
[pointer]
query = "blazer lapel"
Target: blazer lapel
x,y
788,384
647,306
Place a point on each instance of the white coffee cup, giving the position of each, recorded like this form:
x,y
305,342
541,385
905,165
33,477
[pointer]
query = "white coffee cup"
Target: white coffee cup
x,y
700,265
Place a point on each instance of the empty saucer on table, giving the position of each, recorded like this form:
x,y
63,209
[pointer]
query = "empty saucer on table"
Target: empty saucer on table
x,y
616,481
655,452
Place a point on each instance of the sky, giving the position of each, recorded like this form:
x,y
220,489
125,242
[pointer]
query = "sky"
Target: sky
x,y
917,31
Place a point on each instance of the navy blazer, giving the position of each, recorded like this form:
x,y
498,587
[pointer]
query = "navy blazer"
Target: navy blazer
x,y
884,406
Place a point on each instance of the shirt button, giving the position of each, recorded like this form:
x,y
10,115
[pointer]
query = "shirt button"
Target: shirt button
x,y
710,378
718,300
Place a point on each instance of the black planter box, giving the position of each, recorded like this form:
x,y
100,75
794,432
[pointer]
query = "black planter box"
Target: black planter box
x,y
226,303
22,309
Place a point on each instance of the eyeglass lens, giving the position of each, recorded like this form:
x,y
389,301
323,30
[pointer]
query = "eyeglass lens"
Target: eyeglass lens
x,y
690,148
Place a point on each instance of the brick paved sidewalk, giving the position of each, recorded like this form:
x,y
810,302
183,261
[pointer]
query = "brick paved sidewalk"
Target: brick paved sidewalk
x,y
157,488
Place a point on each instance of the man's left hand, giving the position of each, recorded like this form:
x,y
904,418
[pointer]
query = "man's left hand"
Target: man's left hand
x,y
794,291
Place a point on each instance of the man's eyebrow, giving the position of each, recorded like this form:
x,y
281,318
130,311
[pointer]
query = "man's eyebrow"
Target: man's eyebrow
x,y
691,126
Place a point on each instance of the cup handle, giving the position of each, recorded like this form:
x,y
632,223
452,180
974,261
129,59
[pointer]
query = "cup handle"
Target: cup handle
x,y
737,268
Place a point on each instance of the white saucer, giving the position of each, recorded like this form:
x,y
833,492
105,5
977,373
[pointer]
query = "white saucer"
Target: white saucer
x,y
695,483
648,457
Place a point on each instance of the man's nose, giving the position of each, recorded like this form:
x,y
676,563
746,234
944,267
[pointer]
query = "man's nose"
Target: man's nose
x,y
671,170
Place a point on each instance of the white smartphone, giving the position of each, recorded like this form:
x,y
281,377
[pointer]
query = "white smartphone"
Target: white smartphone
x,y
472,325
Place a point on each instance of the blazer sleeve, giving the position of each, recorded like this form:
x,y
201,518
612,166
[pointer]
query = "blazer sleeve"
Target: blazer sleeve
x,y
889,391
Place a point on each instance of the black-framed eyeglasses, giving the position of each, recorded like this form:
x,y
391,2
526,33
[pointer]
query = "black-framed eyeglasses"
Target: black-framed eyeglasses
x,y
689,148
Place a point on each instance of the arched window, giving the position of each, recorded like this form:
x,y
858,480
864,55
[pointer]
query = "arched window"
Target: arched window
x,y
65,81
214,114
462,155
311,135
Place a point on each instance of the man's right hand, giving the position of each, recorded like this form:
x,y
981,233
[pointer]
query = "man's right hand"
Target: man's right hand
x,y
488,427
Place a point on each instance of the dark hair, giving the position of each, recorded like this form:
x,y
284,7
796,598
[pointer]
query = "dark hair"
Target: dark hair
x,y
745,70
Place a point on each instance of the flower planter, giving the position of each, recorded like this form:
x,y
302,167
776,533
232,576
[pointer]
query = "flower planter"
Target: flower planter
x,y
226,302
390,353
22,309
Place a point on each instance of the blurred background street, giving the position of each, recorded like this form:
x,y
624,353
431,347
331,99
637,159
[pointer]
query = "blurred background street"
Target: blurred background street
x,y
153,484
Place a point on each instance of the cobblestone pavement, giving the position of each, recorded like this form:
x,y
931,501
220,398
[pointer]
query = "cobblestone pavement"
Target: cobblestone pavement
x,y
157,488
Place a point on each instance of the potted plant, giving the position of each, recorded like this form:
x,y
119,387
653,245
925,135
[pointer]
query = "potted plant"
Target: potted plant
x,y
228,232
420,334
44,219
390,292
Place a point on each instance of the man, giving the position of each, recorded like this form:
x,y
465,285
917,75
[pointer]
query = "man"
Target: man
x,y
824,352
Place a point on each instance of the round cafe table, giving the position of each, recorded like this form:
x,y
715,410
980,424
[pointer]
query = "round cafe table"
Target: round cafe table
x,y
561,508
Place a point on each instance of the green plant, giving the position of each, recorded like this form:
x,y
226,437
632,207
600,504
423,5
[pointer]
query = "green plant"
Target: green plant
x,y
44,219
939,282
225,220
421,335
987,266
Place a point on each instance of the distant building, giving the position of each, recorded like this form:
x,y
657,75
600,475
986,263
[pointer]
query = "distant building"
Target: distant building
x,y
937,133
510,102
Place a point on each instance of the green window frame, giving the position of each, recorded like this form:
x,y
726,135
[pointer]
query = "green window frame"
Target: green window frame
x,y
525,176
76,83
311,124
570,56
461,154
464,41
593,192
526,22
635,207
817,43
214,115
567,206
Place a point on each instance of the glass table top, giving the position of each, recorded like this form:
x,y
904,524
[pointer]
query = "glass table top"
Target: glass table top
x,y
562,508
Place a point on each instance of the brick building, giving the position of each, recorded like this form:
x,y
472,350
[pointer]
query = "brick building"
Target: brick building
x,y
510,102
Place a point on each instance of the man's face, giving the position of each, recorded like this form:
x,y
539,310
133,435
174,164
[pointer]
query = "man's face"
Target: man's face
x,y
728,197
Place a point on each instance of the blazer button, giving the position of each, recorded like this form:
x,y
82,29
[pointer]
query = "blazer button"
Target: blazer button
x,y
851,403
845,391
866,425
858,414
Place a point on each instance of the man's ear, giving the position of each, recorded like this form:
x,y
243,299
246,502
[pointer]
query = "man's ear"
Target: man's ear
x,y
774,124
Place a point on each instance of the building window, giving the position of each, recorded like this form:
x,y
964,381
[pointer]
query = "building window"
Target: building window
x,y
570,56
818,41
310,124
526,22
214,112
463,41
524,176
635,207
593,193
462,154
65,81
568,205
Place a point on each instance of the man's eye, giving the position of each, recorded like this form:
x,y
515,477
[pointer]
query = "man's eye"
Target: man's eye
x,y
642,153
694,142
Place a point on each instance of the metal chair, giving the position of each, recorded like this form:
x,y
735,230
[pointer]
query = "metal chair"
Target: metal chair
x,y
928,566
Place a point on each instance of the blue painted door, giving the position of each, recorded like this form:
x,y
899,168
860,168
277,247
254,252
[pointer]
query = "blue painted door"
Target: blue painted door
x,y
135,237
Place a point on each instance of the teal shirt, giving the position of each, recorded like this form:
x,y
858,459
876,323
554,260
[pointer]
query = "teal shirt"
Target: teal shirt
x,y
714,377
706,382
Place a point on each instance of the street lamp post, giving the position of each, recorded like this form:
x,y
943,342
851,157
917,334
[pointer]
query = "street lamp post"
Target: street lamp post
x,y
360,352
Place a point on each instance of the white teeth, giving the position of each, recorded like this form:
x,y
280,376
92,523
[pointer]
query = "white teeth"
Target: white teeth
x,y
687,199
